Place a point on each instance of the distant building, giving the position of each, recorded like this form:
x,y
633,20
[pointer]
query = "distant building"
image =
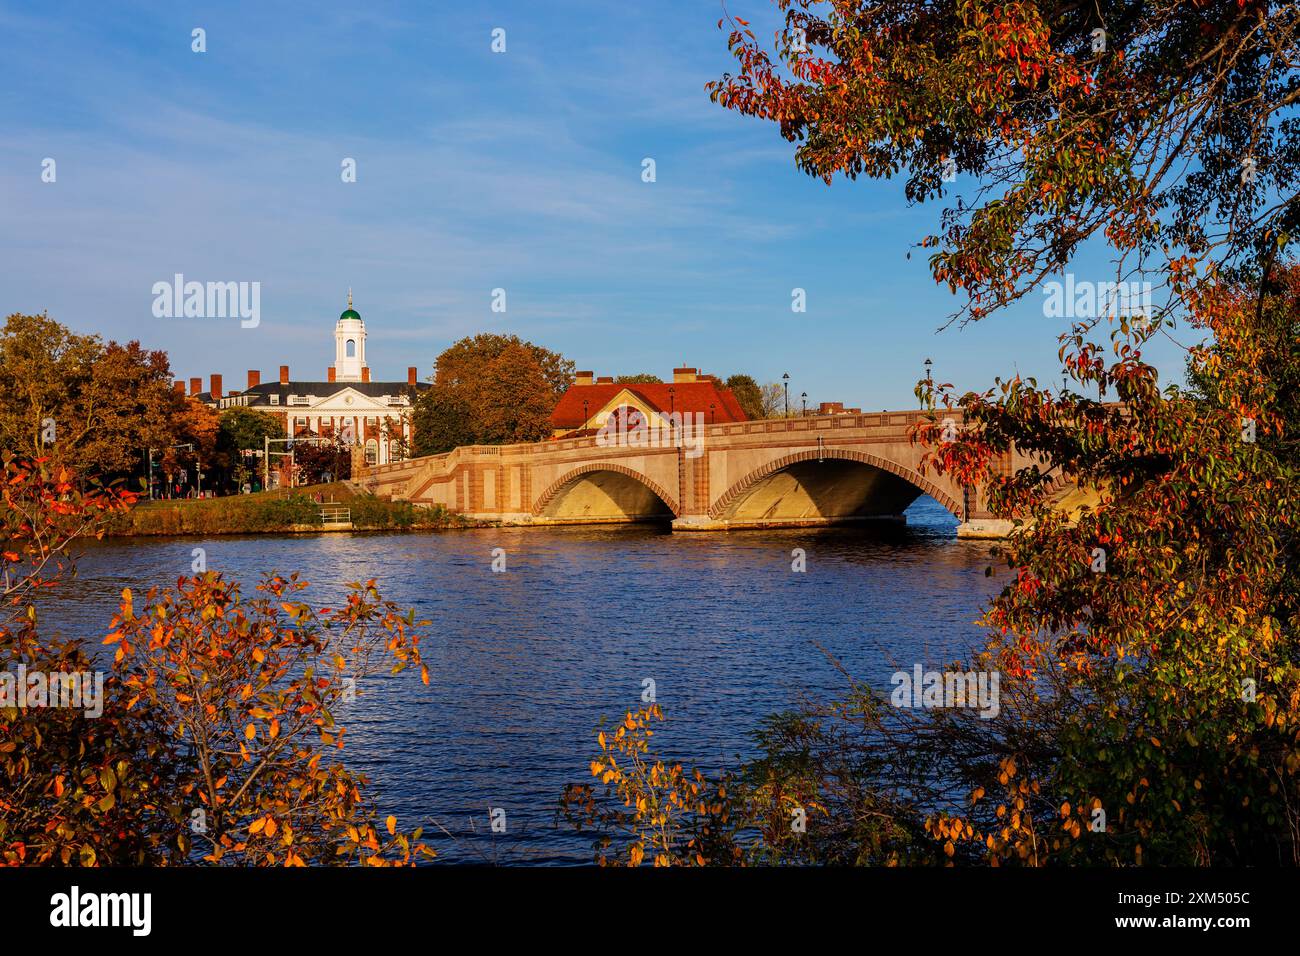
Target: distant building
x,y
837,408
589,401
375,416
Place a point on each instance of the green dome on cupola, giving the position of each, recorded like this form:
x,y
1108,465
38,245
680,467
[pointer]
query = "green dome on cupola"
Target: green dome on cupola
x,y
349,312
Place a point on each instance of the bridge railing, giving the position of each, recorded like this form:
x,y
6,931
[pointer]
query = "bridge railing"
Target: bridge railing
x,y
447,461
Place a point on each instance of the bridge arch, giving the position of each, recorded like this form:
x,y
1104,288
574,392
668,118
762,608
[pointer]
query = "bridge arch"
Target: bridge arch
x,y
734,497
605,491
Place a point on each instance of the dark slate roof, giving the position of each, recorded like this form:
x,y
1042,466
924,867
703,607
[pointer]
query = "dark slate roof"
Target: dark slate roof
x,y
261,394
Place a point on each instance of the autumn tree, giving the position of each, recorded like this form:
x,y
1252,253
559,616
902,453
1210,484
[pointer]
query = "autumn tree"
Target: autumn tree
x,y
217,735
321,461
748,395
517,407
639,378
1146,642
465,363
441,420
73,787
1164,130
96,407
772,400
127,406
198,424
255,691
490,389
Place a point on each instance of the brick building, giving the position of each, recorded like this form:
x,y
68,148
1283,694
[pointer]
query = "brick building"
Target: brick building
x,y
375,415
589,401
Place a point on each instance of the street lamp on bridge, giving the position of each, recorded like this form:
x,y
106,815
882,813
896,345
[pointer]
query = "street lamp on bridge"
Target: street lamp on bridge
x,y
786,379
804,412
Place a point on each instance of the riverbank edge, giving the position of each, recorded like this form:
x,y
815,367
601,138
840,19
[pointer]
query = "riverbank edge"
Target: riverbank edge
x,y
297,513
299,529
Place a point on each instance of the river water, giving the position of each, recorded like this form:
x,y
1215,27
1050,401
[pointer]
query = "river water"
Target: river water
x,y
525,664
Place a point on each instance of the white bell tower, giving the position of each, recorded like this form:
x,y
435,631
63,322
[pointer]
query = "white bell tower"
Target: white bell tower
x,y
349,345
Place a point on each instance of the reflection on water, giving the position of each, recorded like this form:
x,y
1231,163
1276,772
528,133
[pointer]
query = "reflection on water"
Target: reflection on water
x,y
523,665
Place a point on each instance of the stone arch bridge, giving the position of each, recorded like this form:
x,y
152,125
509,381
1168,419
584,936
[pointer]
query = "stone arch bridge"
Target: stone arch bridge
x,y
796,472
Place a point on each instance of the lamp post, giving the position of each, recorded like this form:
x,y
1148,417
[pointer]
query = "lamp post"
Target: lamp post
x,y
804,412
585,420
786,379
672,400
713,417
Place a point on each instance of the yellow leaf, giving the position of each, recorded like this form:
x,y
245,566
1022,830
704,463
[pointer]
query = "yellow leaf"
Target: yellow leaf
x,y
250,731
392,824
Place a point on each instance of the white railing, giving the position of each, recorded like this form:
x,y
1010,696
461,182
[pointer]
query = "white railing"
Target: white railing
x,y
335,514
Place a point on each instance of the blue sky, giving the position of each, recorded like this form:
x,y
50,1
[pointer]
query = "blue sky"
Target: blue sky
x,y
476,171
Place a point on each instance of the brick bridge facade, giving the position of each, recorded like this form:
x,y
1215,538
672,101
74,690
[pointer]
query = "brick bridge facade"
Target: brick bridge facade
x,y
779,473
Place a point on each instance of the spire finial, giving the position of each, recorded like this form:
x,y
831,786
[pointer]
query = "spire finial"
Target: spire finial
x,y
349,297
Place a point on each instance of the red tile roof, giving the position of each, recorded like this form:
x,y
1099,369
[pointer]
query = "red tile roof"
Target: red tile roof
x,y
686,397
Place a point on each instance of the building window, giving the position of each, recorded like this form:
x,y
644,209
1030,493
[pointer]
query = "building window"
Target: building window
x,y
350,350
275,399
372,452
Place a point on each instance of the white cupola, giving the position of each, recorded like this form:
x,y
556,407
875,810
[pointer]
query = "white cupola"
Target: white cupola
x,y
349,345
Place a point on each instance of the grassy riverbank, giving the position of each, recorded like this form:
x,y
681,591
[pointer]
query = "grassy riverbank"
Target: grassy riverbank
x,y
279,512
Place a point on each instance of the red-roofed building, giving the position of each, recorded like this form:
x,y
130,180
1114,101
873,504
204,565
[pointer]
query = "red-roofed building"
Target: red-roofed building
x,y
590,401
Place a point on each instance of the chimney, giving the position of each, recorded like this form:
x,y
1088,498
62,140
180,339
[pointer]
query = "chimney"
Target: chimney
x,y
684,374
330,373
178,386
284,375
605,380
365,373
254,378
196,386
411,375
583,378
215,390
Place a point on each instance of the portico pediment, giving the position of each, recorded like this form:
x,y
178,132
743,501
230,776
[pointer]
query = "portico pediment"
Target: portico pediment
x,y
348,401
625,397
